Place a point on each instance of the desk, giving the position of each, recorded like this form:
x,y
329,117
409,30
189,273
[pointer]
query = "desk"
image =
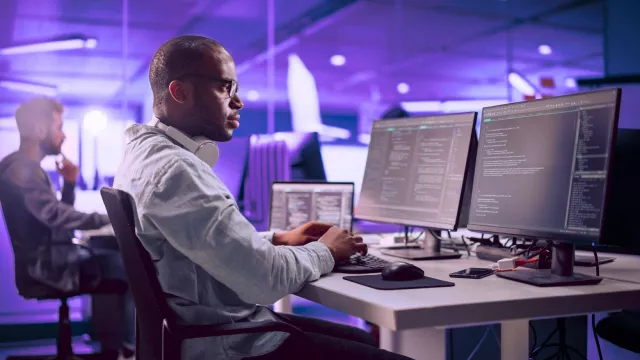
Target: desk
x,y
624,268
413,322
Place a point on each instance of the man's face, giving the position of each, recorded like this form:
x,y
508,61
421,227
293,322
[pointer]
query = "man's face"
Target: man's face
x,y
51,144
214,102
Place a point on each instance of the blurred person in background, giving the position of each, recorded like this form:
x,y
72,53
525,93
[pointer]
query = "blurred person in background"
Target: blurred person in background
x,y
36,219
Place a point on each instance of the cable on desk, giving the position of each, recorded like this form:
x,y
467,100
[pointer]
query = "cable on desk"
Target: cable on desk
x,y
495,336
535,336
593,316
451,347
473,353
466,246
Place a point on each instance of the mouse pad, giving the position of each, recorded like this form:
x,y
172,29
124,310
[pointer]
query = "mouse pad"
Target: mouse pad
x,y
376,282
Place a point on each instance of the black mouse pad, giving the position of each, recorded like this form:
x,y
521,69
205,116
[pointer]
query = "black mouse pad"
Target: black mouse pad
x,y
376,282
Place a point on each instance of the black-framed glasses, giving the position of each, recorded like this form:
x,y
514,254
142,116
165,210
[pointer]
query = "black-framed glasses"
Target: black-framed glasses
x,y
231,84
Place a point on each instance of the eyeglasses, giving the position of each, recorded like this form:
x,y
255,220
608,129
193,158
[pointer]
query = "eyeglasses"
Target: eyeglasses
x,y
232,85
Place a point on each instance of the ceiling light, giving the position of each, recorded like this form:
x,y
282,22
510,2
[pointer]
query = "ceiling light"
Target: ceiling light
x,y
470,105
570,82
421,106
403,88
338,60
521,84
253,95
52,45
544,49
34,88
95,121
435,106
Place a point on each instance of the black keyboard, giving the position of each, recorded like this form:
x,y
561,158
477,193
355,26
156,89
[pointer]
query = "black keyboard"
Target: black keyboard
x,y
358,264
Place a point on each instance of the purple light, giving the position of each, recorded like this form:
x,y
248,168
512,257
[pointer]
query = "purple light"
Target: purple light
x,y
403,88
544,49
95,121
40,89
338,60
570,82
49,46
253,95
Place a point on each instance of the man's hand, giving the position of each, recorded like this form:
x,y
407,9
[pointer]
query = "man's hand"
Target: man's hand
x,y
304,234
67,169
343,244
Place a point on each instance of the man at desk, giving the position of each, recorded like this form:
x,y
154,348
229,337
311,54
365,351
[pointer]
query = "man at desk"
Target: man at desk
x,y
211,262
36,219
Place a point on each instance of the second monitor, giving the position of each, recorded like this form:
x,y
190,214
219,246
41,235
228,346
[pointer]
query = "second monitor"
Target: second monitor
x,y
418,174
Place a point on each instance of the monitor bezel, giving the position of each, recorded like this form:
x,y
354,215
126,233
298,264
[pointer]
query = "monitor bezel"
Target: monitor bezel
x,y
312,182
543,234
431,225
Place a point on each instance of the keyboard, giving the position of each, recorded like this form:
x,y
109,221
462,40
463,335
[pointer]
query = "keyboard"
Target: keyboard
x,y
358,264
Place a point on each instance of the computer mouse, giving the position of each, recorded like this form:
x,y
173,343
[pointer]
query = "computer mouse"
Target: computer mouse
x,y
401,271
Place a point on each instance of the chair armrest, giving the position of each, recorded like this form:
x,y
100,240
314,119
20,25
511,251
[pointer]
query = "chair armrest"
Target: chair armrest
x,y
201,331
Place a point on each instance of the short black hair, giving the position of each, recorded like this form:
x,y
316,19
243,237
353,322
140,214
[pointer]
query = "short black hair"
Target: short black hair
x,y
34,112
176,57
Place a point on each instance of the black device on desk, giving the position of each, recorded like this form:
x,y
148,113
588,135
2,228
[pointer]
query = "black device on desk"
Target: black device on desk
x,y
472,273
401,271
542,173
419,173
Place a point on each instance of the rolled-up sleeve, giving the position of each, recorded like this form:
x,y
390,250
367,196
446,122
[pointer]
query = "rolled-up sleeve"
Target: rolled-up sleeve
x,y
189,210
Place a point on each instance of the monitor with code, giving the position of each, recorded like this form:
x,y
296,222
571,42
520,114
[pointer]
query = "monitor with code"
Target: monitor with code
x,y
543,165
416,170
296,203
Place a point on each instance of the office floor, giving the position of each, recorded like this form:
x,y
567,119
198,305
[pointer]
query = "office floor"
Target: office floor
x,y
465,339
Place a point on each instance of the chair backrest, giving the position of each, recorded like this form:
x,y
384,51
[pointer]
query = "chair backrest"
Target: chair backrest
x,y
150,301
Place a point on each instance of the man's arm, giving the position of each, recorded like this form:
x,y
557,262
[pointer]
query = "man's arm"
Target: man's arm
x,y
68,193
190,211
42,203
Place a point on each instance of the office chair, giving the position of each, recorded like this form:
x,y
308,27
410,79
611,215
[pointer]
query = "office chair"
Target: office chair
x,y
158,334
64,349
621,329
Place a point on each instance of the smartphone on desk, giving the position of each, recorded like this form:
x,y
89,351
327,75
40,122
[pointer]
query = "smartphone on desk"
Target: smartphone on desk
x,y
472,273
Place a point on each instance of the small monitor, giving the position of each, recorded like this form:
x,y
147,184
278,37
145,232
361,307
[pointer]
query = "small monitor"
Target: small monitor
x,y
416,174
295,203
542,172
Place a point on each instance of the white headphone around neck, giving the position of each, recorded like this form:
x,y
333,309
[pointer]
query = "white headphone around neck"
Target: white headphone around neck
x,y
205,149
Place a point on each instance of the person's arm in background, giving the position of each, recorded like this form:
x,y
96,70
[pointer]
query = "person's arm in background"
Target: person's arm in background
x,y
187,208
69,173
41,202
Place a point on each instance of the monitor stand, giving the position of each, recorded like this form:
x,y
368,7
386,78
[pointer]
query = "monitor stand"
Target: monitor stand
x,y
431,250
560,274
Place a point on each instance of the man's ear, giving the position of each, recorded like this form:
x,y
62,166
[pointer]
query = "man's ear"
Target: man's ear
x,y
40,131
179,91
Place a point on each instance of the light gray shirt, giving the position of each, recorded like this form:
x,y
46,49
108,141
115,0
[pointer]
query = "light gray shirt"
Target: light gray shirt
x,y
212,264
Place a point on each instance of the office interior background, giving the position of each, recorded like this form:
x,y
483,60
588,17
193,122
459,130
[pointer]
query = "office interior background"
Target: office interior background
x,y
327,66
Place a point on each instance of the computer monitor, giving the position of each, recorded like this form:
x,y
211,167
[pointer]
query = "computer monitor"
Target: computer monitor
x,y
296,203
415,175
305,155
542,172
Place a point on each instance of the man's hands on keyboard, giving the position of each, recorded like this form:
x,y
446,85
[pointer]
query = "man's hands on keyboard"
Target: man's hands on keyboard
x,y
369,261
342,243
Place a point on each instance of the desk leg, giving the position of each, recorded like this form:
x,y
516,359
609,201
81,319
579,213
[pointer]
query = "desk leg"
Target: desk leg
x,y
514,342
283,305
423,343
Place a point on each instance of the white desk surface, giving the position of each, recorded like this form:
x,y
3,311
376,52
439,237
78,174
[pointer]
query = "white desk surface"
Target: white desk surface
x,y
624,268
469,302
